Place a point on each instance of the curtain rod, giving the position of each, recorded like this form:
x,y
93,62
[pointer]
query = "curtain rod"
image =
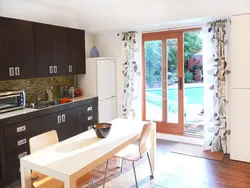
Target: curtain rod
x,y
172,28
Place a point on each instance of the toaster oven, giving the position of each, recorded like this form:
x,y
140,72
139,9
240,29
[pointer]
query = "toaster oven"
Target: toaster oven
x,y
11,100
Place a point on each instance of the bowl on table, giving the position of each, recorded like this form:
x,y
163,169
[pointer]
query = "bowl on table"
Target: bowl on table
x,y
102,129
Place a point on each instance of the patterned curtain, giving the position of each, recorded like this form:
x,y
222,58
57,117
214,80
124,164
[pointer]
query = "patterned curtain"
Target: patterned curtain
x,y
131,73
215,50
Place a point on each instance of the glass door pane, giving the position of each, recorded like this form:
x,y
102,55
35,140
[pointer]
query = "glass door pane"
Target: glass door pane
x,y
193,86
153,79
172,80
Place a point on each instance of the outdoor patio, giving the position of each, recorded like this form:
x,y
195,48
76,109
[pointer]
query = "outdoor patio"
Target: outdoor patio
x,y
193,120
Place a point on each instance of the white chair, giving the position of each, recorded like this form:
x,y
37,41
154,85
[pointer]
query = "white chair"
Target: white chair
x,y
40,142
134,152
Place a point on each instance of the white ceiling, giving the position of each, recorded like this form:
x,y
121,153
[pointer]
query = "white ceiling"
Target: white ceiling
x,y
99,15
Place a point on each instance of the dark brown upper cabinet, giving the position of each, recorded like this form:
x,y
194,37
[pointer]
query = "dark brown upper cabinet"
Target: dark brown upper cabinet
x,y
76,51
16,49
50,50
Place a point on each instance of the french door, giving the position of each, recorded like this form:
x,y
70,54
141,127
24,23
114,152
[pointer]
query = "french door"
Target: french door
x,y
163,72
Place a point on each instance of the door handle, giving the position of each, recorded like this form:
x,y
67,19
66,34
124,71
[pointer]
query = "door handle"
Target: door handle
x,y
51,69
180,83
59,119
70,68
63,118
17,71
55,69
11,71
90,118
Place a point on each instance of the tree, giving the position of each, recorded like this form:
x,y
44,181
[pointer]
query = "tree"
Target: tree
x,y
153,56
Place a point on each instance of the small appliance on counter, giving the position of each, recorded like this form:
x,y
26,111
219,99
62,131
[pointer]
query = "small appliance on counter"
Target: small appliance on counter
x,y
12,100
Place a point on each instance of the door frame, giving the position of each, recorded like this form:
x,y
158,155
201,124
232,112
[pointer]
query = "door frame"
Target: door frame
x,y
163,126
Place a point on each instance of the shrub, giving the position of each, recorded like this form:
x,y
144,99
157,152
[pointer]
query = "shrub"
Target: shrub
x,y
188,77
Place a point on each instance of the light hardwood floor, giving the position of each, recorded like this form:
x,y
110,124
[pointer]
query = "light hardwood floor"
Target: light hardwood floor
x,y
175,171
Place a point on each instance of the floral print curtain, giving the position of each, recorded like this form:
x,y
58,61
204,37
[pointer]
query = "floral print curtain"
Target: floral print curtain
x,y
215,50
131,73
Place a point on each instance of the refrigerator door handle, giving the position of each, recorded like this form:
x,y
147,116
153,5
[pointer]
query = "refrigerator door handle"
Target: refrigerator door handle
x,y
106,98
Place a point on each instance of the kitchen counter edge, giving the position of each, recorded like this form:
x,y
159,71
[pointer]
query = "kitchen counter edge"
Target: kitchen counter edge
x,y
77,102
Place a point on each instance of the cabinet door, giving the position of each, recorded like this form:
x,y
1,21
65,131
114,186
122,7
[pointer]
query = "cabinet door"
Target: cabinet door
x,y
240,125
51,122
71,126
16,49
2,159
50,50
43,50
60,50
240,51
76,51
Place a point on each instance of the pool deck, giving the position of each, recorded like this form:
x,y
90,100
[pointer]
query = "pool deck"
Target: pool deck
x,y
154,112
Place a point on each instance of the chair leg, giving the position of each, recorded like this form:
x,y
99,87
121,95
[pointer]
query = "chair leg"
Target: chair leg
x,y
135,174
104,181
152,174
121,164
93,182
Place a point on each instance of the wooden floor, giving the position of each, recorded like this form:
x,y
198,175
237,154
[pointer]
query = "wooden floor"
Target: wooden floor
x,y
176,171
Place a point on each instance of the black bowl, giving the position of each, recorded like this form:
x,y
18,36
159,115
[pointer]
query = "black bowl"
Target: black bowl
x,y
102,129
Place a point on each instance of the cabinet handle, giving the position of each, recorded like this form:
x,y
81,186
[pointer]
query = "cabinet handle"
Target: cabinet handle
x,y
21,142
22,154
59,119
89,108
11,71
51,69
90,127
90,118
70,68
55,69
21,129
63,118
17,71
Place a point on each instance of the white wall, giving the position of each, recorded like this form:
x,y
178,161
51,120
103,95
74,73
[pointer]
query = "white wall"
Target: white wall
x,y
110,45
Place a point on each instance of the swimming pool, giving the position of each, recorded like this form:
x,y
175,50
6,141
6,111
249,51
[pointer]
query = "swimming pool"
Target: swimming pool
x,y
193,95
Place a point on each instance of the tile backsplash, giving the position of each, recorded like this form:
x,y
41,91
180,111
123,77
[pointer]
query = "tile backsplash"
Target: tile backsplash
x,y
33,85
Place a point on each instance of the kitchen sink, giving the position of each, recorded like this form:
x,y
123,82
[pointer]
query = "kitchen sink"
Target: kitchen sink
x,y
46,104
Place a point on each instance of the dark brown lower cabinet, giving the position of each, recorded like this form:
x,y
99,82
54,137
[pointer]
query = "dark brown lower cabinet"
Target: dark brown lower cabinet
x,y
51,122
2,159
70,123
14,139
17,145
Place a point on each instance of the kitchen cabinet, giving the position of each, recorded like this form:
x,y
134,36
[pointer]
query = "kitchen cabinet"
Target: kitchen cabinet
x,y
70,123
68,120
17,136
51,122
66,123
50,50
2,159
88,116
76,51
16,49
240,125
240,39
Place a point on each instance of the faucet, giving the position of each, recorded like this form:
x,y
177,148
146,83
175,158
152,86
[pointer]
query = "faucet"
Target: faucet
x,y
47,89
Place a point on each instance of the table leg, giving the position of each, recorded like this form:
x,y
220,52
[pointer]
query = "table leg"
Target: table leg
x,y
118,162
25,176
153,146
72,183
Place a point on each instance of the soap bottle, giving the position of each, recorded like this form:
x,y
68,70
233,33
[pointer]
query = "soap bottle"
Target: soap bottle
x,y
50,94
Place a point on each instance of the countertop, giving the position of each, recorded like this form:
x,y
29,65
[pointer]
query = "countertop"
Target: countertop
x,y
29,113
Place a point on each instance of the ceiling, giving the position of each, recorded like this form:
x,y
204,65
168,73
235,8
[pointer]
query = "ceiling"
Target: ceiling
x,y
103,15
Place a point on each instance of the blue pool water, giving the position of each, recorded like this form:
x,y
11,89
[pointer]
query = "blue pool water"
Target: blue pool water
x,y
193,95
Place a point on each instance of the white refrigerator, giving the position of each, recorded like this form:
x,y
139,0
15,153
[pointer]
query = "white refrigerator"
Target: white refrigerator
x,y
100,81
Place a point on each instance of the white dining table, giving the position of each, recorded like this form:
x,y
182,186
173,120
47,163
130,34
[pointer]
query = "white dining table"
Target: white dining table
x,y
72,158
